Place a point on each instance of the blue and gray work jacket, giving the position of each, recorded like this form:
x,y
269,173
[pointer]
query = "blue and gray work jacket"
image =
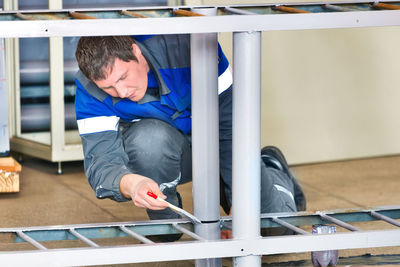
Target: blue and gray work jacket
x,y
98,114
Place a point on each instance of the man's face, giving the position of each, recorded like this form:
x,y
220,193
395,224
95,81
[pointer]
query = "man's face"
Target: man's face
x,y
127,79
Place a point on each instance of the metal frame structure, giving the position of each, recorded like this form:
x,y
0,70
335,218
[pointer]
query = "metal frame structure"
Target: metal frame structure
x,y
246,22
89,252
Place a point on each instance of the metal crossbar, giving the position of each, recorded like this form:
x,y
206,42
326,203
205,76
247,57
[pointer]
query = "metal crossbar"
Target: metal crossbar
x,y
135,235
199,247
188,232
338,222
30,240
385,218
84,239
290,226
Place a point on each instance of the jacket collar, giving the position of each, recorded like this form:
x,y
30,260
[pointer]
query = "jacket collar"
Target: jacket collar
x,y
155,68
91,87
151,95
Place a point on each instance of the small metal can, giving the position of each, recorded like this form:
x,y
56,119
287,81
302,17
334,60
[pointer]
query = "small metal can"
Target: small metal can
x,y
326,257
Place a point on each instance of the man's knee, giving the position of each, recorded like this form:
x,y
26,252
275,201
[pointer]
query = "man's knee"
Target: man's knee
x,y
151,139
146,135
155,149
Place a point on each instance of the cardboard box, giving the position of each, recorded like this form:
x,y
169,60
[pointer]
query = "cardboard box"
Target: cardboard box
x,y
9,175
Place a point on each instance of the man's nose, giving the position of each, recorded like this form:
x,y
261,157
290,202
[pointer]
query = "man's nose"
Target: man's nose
x,y
122,91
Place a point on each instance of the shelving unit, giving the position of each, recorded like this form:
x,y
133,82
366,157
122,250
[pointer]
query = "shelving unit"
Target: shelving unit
x,y
246,22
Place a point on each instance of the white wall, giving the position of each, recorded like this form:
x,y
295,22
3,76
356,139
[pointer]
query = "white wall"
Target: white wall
x,y
329,94
332,94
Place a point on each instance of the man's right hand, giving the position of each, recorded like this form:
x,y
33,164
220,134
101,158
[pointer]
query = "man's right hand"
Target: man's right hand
x,y
227,234
135,187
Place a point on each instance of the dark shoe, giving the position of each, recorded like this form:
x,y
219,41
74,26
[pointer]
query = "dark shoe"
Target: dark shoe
x,y
167,237
164,238
274,158
276,231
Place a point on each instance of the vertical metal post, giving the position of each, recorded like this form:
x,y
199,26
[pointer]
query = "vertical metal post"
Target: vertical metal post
x,y
57,125
12,74
205,137
246,141
4,130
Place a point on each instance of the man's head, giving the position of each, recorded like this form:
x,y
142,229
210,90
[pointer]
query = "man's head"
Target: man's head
x,y
115,64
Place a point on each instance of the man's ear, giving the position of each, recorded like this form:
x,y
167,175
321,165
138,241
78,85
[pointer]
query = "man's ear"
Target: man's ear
x,y
136,50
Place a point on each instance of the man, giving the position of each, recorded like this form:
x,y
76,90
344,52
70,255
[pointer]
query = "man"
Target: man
x,y
133,107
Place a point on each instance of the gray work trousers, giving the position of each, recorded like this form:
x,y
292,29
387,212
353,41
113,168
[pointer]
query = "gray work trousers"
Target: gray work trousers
x,y
159,151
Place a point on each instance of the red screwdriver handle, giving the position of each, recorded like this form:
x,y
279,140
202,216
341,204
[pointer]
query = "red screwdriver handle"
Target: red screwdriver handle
x,y
152,195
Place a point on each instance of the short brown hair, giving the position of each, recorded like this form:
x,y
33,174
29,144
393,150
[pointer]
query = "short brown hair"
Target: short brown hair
x,y
96,54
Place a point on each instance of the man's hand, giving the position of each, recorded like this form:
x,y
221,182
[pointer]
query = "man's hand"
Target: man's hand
x,y
227,234
135,187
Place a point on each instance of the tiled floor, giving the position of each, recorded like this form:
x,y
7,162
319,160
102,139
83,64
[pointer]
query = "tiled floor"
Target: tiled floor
x,y
50,199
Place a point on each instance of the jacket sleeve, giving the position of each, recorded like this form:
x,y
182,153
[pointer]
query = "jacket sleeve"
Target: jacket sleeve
x,y
105,163
105,160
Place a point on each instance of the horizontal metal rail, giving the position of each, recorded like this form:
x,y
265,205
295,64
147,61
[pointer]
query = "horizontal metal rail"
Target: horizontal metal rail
x,y
310,218
160,227
157,11
98,230
233,18
197,250
110,230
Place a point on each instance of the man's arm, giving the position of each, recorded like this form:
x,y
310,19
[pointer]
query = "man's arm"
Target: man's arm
x,y
105,159
105,167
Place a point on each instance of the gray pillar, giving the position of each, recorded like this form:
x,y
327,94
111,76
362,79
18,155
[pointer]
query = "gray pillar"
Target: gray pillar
x,y
246,141
4,129
205,137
